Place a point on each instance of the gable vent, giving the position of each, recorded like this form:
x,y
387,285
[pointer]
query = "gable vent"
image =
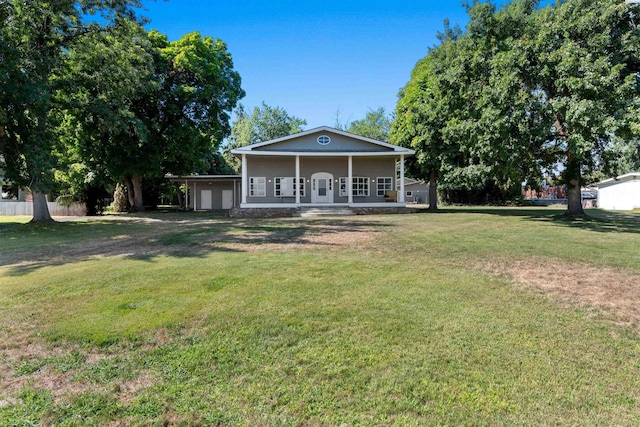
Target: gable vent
x,y
324,140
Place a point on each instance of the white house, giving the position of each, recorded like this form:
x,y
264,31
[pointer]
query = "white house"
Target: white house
x,y
621,193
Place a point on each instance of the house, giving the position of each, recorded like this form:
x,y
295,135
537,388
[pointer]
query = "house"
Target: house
x,y
322,167
331,167
317,167
415,191
620,193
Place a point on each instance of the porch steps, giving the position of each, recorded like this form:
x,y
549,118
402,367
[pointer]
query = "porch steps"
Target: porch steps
x,y
326,211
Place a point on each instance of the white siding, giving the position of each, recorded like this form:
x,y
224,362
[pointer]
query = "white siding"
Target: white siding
x,y
621,196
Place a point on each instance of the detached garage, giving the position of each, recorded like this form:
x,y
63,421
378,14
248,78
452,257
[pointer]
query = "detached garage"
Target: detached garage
x,y
210,192
621,193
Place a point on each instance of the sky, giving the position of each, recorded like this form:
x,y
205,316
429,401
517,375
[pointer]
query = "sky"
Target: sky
x,y
319,60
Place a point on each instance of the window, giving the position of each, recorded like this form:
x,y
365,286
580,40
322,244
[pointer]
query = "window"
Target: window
x,y
409,193
257,186
285,186
359,184
324,140
343,187
384,184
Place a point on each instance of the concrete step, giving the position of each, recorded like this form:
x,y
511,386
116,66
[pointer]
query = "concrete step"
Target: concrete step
x,y
326,211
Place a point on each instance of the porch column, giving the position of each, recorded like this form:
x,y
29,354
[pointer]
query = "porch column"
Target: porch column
x,y
296,185
401,198
350,180
195,197
245,179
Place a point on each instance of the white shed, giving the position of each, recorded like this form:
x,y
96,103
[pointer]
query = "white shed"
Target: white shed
x,y
621,193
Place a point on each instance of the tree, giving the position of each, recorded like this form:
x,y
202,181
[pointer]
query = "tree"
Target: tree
x,y
460,118
34,38
426,104
587,65
154,106
521,89
375,125
263,124
419,122
107,77
499,127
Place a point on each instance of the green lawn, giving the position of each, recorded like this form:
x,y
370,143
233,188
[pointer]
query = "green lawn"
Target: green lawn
x,y
196,319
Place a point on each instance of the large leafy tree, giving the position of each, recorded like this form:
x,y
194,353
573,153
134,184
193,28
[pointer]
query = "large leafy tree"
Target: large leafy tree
x,y
163,109
522,88
498,125
263,124
586,70
463,119
34,39
106,79
423,107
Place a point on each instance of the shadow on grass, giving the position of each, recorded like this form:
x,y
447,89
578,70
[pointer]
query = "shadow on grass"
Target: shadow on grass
x,y
594,219
150,236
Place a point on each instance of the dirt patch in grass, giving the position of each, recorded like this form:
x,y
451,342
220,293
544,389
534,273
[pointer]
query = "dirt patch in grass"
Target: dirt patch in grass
x,y
609,291
197,238
321,235
28,360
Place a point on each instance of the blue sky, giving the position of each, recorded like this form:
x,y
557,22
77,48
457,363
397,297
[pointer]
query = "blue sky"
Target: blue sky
x,y
315,58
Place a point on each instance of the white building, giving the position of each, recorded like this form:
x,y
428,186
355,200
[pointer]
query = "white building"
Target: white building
x,y
621,193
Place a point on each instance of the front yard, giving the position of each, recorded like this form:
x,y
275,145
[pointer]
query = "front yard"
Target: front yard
x,y
483,316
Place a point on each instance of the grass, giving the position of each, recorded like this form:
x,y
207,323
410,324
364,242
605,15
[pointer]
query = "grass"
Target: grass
x,y
193,319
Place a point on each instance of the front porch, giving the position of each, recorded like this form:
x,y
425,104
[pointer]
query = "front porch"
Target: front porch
x,y
304,180
322,167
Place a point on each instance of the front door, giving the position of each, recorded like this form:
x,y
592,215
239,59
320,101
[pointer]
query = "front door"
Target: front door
x,y
321,188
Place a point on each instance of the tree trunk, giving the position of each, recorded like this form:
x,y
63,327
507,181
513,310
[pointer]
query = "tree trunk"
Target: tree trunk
x,y
433,190
40,208
130,193
572,180
138,204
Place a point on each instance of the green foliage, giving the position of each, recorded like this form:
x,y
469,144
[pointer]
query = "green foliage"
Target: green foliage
x,y
34,40
144,106
524,87
263,124
586,72
375,125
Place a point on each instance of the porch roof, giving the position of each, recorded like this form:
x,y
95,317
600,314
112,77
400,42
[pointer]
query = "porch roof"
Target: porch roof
x,y
197,178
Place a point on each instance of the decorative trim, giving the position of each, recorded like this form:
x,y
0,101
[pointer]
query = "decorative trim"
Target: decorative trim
x,y
325,153
324,140
249,148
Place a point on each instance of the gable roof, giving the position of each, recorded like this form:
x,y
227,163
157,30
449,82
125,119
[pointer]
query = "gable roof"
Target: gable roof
x,y
270,146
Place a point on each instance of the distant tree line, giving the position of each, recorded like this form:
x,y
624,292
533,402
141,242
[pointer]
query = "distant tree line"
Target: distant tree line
x,y
524,87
